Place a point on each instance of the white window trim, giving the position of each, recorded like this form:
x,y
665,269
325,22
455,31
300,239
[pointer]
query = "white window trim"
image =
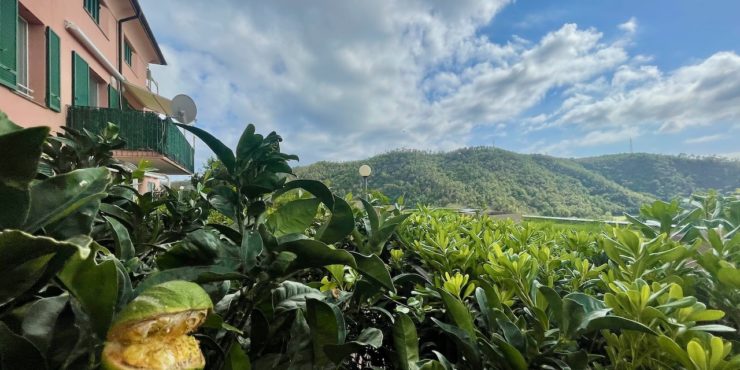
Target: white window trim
x,y
93,84
23,76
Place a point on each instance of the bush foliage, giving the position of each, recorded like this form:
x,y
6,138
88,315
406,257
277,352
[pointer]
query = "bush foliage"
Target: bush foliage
x,y
303,279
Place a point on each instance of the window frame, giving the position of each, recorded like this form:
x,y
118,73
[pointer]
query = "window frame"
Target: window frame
x,y
128,53
92,7
23,77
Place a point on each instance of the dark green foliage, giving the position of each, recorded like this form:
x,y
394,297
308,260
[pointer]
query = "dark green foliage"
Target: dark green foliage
x,y
303,279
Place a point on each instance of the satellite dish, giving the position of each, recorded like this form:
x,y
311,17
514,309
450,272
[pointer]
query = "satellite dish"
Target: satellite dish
x,y
183,109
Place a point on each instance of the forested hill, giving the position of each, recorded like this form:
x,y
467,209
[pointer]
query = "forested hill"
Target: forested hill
x,y
505,181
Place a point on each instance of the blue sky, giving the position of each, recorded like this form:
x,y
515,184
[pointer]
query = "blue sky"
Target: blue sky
x,y
346,80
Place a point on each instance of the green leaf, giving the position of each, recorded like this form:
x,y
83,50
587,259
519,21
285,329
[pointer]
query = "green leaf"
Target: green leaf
x,y
458,312
464,342
93,284
697,355
79,222
21,150
223,153
237,359
312,253
705,315
729,276
196,274
15,203
299,345
327,328
60,196
293,217
369,337
40,319
512,334
341,223
27,260
24,147
291,295
374,269
406,342
673,349
511,354
251,248
17,351
554,302
124,245
316,188
679,303
617,323
200,247
372,215
715,328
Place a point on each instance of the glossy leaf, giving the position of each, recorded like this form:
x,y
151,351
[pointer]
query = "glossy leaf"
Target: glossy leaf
x,y
406,342
312,253
374,269
196,274
291,295
41,317
124,245
293,217
327,328
237,359
98,299
61,196
223,153
457,311
16,351
28,260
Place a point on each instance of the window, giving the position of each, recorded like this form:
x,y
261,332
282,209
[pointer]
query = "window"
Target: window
x,y
22,57
128,53
93,8
8,40
93,91
53,71
150,186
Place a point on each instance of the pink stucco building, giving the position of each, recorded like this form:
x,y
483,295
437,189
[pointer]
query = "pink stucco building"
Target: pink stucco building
x,y
83,63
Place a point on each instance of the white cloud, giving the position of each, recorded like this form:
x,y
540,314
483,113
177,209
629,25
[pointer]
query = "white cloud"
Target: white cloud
x,y
345,80
704,139
700,94
629,26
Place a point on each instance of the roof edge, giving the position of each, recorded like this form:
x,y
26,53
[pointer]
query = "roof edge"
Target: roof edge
x,y
148,29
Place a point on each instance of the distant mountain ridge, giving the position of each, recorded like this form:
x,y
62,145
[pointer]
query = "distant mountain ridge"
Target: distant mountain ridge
x,y
531,183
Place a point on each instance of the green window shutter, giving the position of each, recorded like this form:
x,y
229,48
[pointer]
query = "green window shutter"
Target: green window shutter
x,y
53,71
80,81
8,47
114,101
93,7
128,53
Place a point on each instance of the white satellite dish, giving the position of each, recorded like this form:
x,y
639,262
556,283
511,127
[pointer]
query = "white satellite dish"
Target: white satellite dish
x,y
183,109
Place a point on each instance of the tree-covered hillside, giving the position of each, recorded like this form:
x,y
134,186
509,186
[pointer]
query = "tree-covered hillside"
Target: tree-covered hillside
x,y
667,176
505,181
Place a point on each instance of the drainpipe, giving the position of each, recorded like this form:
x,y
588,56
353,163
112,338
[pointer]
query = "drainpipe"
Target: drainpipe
x,y
137,14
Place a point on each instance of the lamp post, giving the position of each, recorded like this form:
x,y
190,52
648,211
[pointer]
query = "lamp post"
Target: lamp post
x,y
365,171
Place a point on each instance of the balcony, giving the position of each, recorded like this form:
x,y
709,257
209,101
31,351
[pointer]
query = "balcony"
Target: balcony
x,y
147,137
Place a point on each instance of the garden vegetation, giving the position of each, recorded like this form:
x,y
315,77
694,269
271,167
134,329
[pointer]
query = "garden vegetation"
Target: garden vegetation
x,y
300,278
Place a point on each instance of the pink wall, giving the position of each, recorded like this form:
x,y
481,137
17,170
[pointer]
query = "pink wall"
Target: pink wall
x,y
53,13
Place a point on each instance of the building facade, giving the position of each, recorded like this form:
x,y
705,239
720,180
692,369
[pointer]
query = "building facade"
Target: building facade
x,y
83,63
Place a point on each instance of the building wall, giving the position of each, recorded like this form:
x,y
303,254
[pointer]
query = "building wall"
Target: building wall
x,y
27,111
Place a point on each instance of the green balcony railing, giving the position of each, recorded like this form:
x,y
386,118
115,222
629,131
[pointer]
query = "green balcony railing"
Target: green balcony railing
x,y
140,130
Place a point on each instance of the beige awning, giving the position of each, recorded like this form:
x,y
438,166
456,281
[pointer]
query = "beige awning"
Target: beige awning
x,y
147,98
